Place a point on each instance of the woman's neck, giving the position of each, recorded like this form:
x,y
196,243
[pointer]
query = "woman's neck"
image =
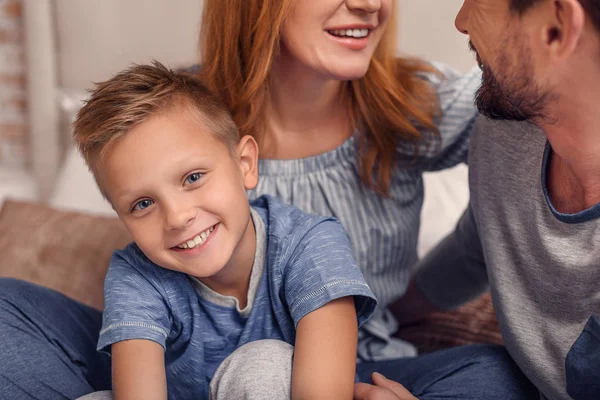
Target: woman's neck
x,y
307,114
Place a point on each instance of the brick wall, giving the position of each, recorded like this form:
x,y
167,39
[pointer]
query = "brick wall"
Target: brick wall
x,y
13,129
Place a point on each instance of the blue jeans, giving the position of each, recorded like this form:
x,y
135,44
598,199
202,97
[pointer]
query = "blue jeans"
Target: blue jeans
x,y
477,372
48,351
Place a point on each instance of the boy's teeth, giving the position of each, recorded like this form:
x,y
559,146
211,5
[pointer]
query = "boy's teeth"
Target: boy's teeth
x,y
196,240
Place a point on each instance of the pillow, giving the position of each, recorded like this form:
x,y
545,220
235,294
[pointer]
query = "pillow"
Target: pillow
x,y
446,197
75,188
474,322
65,251
16,183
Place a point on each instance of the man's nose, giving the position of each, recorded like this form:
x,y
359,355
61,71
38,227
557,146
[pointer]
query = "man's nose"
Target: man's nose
x,y
462,17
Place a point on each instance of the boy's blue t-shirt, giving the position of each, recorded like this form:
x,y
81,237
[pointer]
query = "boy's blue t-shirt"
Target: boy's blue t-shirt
x,y
302,262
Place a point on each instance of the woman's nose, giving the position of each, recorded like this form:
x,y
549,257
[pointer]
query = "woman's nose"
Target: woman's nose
x,y
369,6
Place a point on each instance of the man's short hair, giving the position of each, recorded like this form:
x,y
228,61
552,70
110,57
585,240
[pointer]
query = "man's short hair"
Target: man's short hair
x,y
138,93
591,7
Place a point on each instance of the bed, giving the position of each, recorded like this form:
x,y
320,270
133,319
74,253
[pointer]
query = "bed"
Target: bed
x,y
65,238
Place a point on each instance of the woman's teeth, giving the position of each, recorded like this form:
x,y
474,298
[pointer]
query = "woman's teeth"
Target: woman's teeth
x,y
197,240
355,33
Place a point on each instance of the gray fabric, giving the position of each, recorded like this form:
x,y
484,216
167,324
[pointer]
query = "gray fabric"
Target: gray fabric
x,y
260,370
543,267
103,395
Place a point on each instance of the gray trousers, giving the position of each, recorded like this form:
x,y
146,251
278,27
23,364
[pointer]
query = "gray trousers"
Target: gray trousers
x,y
260,370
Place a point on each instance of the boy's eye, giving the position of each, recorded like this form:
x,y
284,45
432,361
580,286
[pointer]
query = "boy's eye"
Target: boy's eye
x,y
142,205
191,178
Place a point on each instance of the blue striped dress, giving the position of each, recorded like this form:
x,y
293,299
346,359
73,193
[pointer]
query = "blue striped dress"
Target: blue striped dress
x,y
383,231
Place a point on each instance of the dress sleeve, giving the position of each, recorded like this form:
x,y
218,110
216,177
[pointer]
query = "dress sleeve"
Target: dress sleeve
x,y
456,96
135,306
454,272
321,269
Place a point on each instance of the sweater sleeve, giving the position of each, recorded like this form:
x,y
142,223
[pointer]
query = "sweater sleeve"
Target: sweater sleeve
x,y
454,272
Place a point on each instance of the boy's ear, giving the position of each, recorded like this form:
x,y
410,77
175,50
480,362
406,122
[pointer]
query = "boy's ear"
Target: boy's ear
x,y
247,152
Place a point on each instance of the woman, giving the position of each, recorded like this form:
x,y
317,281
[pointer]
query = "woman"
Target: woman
x,y
346,129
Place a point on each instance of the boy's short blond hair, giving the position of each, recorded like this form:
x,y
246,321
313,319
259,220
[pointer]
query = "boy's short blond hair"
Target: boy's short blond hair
x,y
138,93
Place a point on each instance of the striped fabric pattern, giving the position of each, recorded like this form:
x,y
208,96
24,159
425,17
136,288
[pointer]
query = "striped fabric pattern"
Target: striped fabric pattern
x,y
383,231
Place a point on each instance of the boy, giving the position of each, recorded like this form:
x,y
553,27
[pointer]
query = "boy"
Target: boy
x,y
207,273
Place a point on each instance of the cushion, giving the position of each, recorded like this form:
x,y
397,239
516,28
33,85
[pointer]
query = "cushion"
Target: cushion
x,y
474,322
65,251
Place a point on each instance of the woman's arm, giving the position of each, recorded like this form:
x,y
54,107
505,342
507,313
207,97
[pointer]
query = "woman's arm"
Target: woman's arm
x,y
138,370
325,352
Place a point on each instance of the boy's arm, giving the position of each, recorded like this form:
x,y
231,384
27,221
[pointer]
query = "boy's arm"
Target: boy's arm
x,y
325,352
138,370
136,322
328,299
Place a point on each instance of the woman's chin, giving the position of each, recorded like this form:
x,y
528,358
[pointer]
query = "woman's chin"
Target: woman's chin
x,y
348,72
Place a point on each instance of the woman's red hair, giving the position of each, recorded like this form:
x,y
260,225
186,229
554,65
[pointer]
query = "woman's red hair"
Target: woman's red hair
x,y
391,105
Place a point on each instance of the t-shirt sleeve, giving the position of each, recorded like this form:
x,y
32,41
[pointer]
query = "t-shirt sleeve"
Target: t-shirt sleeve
x,y
456,96
454,272
134,304
322,268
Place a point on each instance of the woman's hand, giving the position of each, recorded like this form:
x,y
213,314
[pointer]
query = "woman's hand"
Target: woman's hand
x,y
382,389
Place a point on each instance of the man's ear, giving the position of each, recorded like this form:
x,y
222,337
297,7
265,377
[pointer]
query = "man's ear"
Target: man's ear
x,y
564,29
247,155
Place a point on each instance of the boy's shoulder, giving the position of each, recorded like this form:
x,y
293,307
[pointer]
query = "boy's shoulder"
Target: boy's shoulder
x,y
282,220
131,260
130,254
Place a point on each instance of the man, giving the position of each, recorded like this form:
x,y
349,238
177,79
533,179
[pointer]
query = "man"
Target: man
x,y
532,228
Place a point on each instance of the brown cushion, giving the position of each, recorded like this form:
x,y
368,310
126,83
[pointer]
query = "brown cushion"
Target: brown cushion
x,y
474,322
65,251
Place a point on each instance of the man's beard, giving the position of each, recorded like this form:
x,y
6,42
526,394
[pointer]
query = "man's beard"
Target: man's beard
x,y
511,93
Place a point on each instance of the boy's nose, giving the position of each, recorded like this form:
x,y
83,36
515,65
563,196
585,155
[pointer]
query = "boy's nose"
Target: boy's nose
x,y
179,217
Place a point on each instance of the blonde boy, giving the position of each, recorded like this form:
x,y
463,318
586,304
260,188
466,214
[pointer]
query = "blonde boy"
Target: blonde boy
x,y
208,273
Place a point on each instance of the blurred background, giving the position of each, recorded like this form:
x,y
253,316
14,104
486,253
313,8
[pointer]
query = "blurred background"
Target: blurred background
x,y
51,51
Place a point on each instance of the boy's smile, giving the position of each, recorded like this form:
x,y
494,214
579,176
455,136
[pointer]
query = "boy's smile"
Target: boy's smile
x,y
181,193
196,241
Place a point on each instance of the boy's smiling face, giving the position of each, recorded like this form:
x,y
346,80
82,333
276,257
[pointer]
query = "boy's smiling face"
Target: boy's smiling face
x,y
181,194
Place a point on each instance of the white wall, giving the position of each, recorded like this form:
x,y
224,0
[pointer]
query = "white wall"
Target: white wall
x,y
426,29
97,38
